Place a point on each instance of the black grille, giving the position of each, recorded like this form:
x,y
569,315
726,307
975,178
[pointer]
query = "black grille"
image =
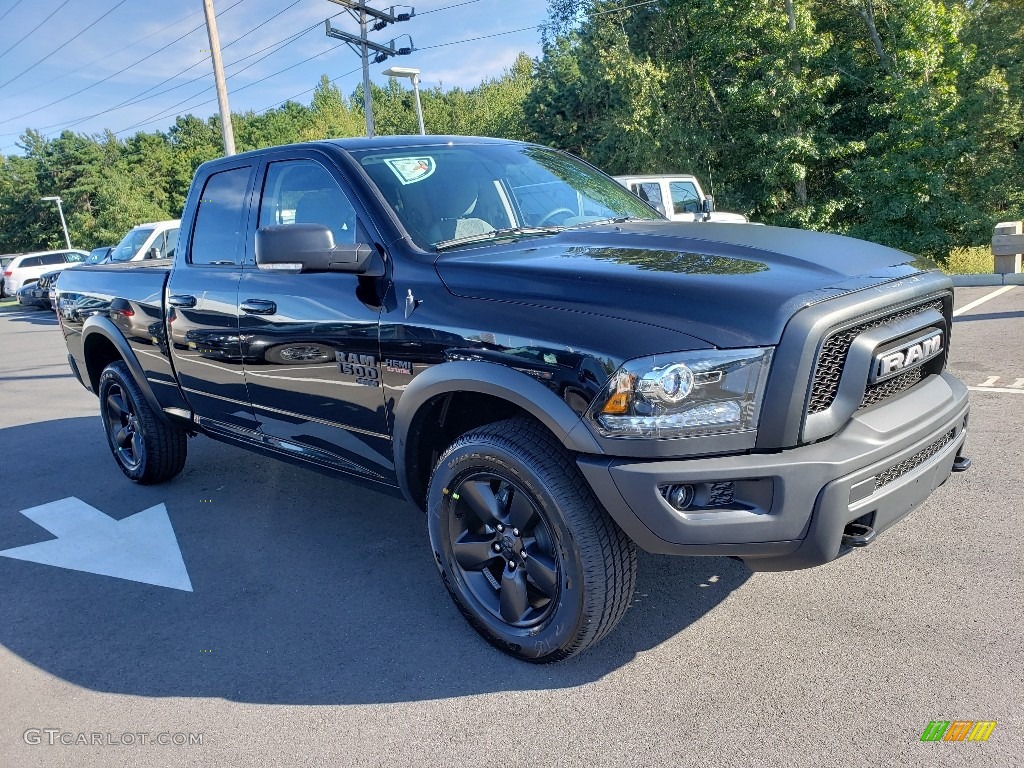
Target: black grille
x,y
829,367
907,465
876,393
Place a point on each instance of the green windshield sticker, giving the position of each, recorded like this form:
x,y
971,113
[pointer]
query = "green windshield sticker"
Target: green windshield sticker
x,y
409,170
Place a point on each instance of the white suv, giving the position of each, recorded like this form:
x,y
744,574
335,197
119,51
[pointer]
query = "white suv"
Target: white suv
x,y
27,268
156,240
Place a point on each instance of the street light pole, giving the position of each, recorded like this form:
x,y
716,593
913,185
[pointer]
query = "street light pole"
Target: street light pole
x,y
413,74
419,107
60,210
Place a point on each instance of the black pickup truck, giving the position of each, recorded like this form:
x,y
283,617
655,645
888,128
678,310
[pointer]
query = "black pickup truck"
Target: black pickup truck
x,y
553,372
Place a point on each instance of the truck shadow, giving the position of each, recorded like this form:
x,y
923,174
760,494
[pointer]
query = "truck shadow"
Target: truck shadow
x,y
307,589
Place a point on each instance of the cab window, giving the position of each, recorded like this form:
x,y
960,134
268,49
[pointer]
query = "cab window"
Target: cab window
x,y
220,222
304,192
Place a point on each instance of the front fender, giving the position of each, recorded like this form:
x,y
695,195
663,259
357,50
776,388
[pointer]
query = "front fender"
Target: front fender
x,y
103,327
488,379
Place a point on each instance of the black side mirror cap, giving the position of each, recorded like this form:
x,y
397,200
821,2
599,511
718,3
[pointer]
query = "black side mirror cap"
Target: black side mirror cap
x,y
708,205
309,248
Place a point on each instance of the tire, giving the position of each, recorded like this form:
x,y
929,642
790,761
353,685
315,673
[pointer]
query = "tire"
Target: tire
x,y
510,488
147,448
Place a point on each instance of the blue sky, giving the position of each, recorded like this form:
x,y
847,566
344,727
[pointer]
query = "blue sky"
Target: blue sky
x,y
86,69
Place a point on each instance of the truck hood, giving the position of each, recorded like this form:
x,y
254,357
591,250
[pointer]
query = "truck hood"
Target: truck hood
x,y
731,285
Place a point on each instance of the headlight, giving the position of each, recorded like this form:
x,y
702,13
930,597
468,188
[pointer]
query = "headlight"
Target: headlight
x,y
683,394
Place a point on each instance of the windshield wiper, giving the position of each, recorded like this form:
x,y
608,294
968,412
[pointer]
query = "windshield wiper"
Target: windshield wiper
x,y
495,234
613,220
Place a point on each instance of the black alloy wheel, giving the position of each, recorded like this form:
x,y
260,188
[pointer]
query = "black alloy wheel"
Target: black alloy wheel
x,y
504,550
122,427
147,447
527,553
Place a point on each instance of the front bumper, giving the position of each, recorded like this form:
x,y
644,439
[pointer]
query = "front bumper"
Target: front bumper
x,y
34,298
791,507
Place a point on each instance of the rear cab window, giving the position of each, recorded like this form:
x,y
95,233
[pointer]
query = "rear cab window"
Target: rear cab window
x,y
218,236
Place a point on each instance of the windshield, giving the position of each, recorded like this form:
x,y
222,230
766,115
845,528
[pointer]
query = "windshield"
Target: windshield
x,y
131,244
97,255
443,194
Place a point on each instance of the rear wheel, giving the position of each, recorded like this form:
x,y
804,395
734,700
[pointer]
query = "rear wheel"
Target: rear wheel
x,y
525,549
147,448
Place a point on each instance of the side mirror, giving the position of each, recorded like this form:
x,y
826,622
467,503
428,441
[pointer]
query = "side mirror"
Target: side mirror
x,y
308,248
708,205
660,208
153,253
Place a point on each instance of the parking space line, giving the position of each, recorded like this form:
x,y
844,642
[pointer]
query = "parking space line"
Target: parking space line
x,y
983,299
1007,390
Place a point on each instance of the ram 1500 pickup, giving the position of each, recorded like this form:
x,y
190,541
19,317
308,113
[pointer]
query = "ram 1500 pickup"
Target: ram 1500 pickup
x,y
513,342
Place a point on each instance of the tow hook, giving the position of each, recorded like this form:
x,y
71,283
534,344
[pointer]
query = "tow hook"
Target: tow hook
x,y
858,535
961,463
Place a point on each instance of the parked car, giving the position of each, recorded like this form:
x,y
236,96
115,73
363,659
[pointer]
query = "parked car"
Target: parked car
x,y
5,259
551,371
679,197
41,293
37,293
28,267
155,240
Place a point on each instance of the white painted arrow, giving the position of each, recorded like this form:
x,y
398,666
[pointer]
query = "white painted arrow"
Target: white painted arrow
x,y
141,548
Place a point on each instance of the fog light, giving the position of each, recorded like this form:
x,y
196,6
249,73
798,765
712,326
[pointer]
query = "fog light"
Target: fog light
x,y
680,496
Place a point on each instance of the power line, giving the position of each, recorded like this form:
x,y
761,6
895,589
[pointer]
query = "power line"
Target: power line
x,y
445,8
303,93
80,33
16,4
526,29
159,116
115,74
97,61
141,96
37,26
164,112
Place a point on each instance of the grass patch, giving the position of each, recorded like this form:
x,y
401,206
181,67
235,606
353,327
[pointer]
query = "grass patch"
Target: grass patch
x,y
970,261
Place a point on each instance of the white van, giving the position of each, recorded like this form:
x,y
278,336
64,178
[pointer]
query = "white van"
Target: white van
x,y
156,240
679,197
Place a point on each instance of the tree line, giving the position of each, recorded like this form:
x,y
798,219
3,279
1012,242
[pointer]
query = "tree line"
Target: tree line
x,y
898,121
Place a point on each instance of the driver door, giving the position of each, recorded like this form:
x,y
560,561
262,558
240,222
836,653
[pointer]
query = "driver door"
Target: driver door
x,y
309,341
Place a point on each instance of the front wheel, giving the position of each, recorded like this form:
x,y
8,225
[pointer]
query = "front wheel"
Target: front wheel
x,y
526,551
147,448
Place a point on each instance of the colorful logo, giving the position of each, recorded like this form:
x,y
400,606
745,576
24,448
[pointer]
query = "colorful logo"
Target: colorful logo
x,y
958,730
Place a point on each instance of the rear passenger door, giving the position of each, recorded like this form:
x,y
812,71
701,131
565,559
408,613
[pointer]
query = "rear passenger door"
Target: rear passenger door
x,y
202,303
310,340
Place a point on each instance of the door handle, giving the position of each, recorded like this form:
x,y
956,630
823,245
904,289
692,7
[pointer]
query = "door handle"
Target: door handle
x,y
258,307
181,300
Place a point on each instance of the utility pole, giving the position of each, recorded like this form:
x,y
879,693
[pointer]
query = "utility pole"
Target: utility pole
x,y
361,12
218,76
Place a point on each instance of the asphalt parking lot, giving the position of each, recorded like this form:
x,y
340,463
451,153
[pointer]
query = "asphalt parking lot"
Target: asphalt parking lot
x,y
317,631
